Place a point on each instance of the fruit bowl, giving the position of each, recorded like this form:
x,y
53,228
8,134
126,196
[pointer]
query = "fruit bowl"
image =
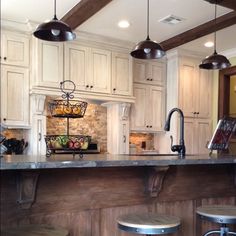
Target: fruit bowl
x,y
67,142
69,109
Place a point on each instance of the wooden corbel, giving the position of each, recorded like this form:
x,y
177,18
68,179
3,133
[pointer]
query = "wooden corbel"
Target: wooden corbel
x,y
155,180
26,188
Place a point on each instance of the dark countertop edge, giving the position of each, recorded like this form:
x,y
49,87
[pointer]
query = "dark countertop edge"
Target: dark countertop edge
x,y
112,163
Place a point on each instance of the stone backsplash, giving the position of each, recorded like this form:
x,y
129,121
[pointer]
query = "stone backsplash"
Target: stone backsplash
x,y
94,124
138,138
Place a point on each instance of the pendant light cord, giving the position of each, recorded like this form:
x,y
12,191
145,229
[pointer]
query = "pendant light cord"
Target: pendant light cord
x,y
148,20
55,6
215,28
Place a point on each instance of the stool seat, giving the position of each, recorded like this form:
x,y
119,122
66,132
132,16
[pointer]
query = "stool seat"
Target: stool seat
x,y
148,223
224,214
35,230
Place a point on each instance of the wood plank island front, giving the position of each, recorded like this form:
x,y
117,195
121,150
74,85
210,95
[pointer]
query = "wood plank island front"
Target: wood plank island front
x,y
87,195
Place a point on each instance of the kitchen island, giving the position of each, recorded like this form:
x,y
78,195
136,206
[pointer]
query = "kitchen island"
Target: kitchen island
x,y
87,195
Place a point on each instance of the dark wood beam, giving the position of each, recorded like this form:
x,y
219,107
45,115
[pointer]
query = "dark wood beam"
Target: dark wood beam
x,y
231,4
83,11
200,31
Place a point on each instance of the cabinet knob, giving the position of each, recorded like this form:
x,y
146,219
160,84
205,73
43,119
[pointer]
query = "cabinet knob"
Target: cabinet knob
x,y
114,89
87,86
148,79
150,126
151,79
194,112
91,86
147,126
197,113
4,119
4,58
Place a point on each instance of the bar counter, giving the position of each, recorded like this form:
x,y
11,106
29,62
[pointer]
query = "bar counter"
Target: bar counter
x,y
86,196
14,162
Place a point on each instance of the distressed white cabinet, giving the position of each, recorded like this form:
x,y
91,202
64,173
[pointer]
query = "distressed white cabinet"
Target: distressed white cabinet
x,y
197,134
149,72
49,67
121,74
14,49
147,114
195,89
15,96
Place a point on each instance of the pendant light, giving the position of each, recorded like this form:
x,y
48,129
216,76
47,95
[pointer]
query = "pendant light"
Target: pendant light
x,y
148,49
215,61
54,30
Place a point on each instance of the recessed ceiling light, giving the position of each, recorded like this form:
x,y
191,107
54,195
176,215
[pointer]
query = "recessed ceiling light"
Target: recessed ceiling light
x,y
209,44
123,24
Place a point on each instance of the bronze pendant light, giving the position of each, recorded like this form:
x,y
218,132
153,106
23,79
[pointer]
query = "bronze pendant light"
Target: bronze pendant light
x,y
148,49
54,30
215,61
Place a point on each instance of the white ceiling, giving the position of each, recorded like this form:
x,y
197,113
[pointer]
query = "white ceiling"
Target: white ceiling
x,y
195,12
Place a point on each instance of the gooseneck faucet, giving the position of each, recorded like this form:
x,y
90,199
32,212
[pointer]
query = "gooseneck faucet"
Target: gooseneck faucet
x,y
181,147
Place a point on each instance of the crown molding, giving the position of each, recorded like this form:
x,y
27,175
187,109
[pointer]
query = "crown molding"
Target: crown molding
x,y
229,53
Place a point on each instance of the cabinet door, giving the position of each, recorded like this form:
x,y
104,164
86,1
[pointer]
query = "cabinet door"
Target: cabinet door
x,y
50,63
121,74
188,87
100,77
204,131
139,71
204,96
139,109
76,65
155,105
15,96
190,136
156,73
14,49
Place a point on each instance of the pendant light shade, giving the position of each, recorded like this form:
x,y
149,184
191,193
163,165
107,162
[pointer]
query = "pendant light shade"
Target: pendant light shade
x,y
215,61
148,49
54,30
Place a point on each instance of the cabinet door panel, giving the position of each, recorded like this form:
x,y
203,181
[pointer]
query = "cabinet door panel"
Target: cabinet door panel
x,y
15,49
204,96
101,73
121,74
139,71
76,65
155,108
189,136
15,96
50,64
156,73
187,88
204,135
139,110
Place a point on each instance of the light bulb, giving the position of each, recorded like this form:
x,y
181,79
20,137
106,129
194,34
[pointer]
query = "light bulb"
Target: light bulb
x,y
55,32
147,50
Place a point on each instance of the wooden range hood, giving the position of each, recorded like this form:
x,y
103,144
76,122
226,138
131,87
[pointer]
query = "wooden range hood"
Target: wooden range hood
x,y
87,8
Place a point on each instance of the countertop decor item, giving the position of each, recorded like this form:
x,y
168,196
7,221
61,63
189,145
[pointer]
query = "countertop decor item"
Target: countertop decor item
x,y
215,61
54,30
67,108
148,49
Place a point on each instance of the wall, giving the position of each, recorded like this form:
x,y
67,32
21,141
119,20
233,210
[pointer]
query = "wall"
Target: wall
x,y
94,124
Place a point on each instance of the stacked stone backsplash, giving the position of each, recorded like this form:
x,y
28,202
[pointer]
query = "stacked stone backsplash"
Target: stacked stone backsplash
x,y
94,124
138,138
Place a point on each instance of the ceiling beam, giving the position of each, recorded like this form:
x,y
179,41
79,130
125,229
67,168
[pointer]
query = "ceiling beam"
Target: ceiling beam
x,y
231,4
200,31
83,11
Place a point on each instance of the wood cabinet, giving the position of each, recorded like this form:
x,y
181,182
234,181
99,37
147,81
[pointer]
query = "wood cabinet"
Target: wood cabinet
x,y
147,114
149,72
122,82
14,96
14,49
195,89
197,135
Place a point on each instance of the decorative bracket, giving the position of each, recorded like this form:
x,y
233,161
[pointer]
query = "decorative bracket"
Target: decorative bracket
x,y
26,188
155,180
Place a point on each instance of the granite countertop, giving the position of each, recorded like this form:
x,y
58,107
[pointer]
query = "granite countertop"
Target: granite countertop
x,y
14,162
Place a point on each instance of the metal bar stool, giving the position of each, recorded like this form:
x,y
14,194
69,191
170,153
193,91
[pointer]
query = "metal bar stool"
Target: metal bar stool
x,y
219,214
148,223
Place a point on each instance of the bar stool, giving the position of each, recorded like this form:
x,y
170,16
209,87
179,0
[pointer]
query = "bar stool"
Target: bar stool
x,y
148,223
222,214
35,230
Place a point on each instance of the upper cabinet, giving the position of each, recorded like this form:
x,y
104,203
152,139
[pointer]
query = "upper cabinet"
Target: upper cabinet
x,y
149,72
195,89
122,82
14,49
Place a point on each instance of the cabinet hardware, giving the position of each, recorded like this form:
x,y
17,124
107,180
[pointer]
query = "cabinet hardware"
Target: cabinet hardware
x,y
147,126
151,79
148,79
91,86
114,89
150,126
197,113
5,58
4,119
40,137
87,86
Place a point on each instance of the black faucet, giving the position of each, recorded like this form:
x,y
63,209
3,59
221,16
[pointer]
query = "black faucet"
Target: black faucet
x,y
181,147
